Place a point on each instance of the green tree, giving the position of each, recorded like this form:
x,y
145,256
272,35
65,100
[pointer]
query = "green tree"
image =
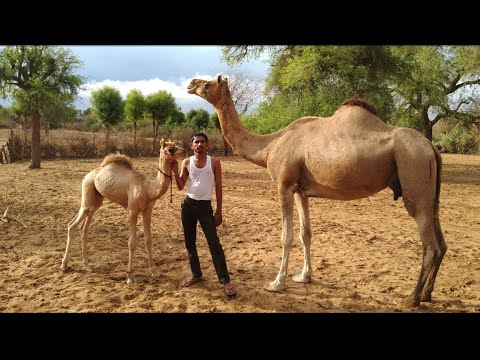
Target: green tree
x,y
436,82
314,80
134,109
175,119
198,118
108,109
56,112
39,72
159,106
20,110
214,121
4,113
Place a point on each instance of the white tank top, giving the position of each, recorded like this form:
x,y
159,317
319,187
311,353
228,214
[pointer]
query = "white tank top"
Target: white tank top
x,y
201,182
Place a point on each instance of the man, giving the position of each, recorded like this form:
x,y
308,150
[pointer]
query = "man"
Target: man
x,y
203,172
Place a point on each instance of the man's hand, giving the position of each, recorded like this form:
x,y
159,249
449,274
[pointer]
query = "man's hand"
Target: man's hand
x,y
174,167
218,218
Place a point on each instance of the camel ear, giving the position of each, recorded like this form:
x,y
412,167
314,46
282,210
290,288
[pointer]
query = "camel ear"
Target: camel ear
x,y
162,141
219,79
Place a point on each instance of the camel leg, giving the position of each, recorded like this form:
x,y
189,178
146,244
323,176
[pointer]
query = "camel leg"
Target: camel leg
x,y
72,225
428,289
147,219
286,199
91,201
431,253
305,237
84,237
132,244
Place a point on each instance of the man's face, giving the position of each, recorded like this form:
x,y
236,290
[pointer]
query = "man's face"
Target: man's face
x,y
199,145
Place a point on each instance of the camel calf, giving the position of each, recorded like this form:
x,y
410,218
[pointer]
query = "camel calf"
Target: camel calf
x,y
117,181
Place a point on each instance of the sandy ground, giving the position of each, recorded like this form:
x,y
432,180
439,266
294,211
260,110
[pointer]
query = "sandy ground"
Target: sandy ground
x,y
365,254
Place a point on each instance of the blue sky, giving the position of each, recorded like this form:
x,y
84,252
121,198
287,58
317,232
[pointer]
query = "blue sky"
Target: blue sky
x,y
154,68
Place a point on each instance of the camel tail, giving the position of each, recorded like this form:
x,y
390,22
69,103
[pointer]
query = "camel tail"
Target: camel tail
x,y
438,158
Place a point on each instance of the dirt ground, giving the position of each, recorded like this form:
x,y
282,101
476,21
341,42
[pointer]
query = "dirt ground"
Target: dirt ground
x,y
366,254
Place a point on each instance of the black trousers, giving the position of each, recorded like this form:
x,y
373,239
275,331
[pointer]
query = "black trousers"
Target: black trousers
x,y
201,210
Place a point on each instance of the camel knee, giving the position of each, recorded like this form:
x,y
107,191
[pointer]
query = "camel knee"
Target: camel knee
x,y
410,206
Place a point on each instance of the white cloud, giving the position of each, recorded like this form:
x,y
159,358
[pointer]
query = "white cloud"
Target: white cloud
x,y
177,89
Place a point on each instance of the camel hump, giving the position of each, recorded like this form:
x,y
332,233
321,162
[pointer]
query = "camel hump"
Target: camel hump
x,y
118,159
356,101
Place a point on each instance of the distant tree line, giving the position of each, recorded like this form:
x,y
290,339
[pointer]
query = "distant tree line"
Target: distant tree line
x,y
412,86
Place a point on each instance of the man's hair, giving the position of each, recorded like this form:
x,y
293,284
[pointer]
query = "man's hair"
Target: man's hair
x,y
200,134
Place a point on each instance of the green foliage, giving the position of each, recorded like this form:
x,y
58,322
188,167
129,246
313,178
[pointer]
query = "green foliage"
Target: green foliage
x,y
453,137
134,105
176,119
199,118
160,105
40,71
4,113
435,82
213,121
314,80
107,106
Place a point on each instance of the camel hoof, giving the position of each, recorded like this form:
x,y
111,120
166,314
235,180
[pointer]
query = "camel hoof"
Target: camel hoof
x,y
155,274
301,278
64,267
411,302
87,268
274,286
130,280
426,298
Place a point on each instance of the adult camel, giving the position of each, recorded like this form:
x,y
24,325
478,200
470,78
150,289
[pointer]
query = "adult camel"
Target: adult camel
x,y
347,156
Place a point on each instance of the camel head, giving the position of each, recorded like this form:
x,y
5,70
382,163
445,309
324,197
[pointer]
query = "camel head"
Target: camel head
x,y
208,90
169,149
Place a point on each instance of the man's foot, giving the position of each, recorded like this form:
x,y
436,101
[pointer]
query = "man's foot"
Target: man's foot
x,y
229,290
191,281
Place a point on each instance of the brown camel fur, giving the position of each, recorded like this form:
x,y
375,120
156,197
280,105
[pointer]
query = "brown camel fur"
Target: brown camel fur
x,y
350,155
118,182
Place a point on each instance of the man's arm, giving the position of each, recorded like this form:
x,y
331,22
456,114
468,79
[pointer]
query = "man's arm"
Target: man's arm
x,y
180,179
217,171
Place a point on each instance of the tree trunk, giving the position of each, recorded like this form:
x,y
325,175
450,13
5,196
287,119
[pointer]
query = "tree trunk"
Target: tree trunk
x,y
157,125
36,150
427,127
107,141
225,146
135,151
154,135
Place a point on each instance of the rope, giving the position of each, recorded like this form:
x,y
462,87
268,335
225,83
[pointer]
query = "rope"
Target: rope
x,y
171,184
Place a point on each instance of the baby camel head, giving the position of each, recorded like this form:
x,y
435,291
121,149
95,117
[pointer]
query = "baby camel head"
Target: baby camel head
x,y
208,90
169,150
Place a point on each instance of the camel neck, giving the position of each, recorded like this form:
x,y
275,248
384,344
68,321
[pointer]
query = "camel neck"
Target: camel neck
x,y
251,147
163,176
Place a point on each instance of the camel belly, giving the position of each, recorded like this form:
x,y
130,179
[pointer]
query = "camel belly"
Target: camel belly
x,y
347,180
115,188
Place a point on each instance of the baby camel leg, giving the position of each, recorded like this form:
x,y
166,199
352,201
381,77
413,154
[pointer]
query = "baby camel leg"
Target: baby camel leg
x,y
147,219
132,243
91,201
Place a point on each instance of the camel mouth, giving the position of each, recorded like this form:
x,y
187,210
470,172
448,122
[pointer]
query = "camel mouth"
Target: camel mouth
x,y
191,87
